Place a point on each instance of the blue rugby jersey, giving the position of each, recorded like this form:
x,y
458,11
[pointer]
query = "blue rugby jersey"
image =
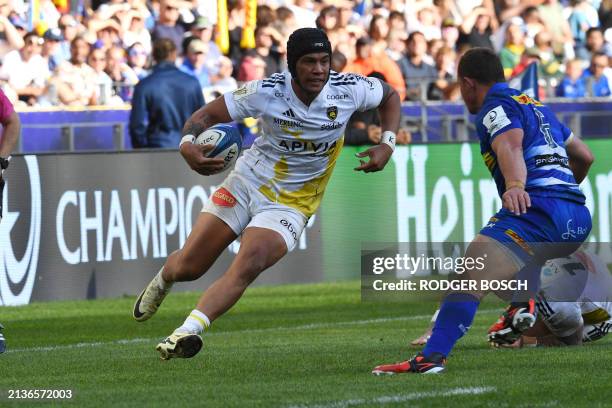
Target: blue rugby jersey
x,y
548,171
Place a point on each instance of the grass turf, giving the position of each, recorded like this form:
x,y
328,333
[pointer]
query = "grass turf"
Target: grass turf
x,y
298,345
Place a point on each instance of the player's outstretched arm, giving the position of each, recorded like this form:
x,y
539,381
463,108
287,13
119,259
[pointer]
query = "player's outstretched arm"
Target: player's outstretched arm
x,y
580,158
205,117
508,147
389,110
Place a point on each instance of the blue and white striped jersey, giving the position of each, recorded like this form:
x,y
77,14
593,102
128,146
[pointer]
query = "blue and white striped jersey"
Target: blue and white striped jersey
x,y
544,141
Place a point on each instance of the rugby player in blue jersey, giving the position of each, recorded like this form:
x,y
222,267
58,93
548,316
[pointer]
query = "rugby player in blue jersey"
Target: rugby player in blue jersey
x,y
537,164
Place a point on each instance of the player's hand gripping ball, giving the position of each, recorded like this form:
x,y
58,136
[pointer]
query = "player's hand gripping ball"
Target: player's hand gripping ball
x,y
227,144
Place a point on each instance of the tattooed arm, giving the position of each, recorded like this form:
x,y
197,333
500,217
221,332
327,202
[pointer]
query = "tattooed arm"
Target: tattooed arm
x,y
205,117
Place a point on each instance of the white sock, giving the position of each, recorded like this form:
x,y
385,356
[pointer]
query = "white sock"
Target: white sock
x,y
195,323
161,282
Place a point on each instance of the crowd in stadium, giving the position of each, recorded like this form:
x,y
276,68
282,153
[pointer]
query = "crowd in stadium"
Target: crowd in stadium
x,y
95,56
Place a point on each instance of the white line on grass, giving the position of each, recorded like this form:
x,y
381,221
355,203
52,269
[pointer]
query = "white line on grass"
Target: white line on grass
x,y
233,332
393,399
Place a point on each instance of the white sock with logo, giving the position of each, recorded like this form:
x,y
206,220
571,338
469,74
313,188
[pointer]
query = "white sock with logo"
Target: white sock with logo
x,y
161,283
195,323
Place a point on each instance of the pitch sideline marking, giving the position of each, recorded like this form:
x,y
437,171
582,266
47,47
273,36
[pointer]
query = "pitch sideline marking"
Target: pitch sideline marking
x,y
232,332
393,399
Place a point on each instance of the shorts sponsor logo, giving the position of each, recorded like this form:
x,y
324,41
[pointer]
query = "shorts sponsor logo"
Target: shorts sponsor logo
x,y
571,231
223,198
290,228
279,94
519,241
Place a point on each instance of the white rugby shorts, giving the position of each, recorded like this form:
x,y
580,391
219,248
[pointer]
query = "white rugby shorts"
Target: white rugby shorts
x,y
240,205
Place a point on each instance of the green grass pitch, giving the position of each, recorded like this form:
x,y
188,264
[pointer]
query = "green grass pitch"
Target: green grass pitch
x,y
284,346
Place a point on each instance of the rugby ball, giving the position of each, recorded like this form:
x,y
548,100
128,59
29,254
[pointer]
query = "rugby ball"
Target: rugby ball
x,y
227,142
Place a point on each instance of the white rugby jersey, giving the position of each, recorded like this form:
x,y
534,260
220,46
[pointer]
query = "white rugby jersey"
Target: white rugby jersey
x,y
584,272
293,159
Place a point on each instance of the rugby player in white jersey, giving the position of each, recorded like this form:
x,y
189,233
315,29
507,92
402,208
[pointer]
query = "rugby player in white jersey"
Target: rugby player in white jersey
x,y
574,304
276,185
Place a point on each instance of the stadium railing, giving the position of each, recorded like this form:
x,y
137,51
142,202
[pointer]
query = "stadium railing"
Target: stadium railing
x,y
106,128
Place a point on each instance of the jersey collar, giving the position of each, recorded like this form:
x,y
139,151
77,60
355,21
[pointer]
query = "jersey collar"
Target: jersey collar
x,y
500,86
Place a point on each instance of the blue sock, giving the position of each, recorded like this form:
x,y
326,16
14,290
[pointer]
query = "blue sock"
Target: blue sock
x,y
455,317
531,274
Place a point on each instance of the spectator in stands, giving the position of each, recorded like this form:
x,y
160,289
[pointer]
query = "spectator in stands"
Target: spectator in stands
x,y
416,72
267,47
533,25
26,70
364,128
10,39
338,61
136,32
194,62
328,18
163,101
595,80
553,18
51,47
378,32
594,42
444,83
223,82
123,77
476,29
74,81
550,66
397,45
102,82
70,29
202,28
397,21
366,62
510,55
285,22
583,16
252,68
167,25
433,46
573,84
450,33
428,23
108,33
138,60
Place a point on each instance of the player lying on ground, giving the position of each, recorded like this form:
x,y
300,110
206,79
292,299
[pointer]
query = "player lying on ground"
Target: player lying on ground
x,y
583,276
276,185
537,164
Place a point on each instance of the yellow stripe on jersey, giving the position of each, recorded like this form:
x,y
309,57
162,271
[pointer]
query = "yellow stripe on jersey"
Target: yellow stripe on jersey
x,y
307,198
524,99
489,160
596,316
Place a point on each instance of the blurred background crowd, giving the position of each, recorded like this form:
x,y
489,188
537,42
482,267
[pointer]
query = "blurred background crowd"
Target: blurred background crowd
x,y
78,53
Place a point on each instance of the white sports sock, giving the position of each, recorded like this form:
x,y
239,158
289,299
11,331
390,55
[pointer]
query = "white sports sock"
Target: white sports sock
x,y
195,323
161,282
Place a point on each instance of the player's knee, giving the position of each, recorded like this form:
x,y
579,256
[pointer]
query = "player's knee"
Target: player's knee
x,y
182,269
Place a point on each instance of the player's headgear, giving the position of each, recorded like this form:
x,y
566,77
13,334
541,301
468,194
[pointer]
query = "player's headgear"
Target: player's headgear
x,y
305,41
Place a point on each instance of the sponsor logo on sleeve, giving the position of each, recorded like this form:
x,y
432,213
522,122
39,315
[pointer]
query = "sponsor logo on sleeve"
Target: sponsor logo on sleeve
x,y
495,120
245,90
